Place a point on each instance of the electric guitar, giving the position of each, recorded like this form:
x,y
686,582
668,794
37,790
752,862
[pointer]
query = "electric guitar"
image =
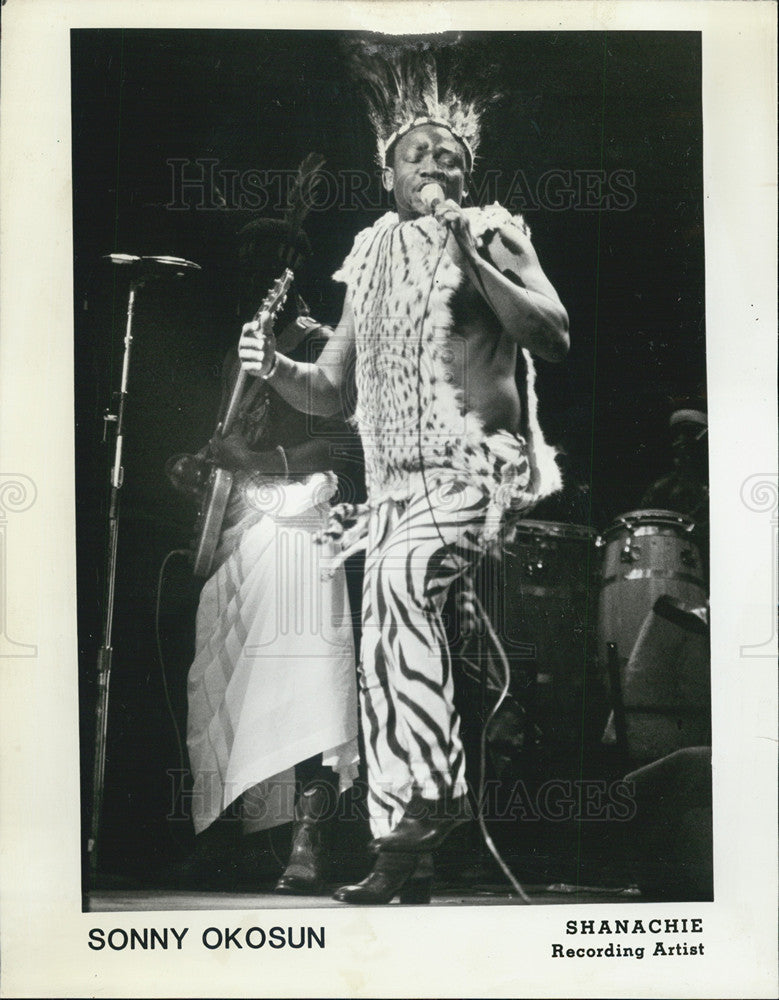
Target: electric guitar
x,y
220,482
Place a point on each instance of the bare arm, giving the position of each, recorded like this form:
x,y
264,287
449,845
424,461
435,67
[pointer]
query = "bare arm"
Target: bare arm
x,y
530,312
313,388
314,455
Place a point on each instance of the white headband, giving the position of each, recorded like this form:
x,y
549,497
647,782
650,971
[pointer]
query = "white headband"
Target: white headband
x,y
425,120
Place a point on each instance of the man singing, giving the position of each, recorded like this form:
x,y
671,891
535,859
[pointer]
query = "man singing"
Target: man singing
x,y
442,303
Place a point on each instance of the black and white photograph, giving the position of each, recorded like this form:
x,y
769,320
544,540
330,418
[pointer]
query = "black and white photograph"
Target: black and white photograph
x,y
394,520
398,417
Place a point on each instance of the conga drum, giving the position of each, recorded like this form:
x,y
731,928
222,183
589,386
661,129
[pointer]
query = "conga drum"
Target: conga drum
x,y
665,702
646,554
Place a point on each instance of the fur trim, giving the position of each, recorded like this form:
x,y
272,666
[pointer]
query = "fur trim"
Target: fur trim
x,y
409,415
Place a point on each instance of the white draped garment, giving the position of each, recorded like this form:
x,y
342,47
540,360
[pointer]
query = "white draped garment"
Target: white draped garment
x,y
273,681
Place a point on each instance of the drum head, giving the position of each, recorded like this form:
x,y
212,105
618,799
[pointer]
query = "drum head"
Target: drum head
x,y
554,529
645,518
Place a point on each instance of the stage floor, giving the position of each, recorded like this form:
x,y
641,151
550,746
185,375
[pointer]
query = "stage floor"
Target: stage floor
x,y
119,900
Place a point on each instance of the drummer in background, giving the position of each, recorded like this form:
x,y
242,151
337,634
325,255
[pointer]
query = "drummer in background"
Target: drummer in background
x,y
686,489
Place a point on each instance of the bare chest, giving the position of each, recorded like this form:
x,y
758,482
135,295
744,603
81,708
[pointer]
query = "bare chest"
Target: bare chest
x,y
481,361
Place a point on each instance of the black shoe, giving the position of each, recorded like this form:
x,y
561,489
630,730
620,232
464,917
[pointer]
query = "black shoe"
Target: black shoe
x,y
407,876
305,869
425,824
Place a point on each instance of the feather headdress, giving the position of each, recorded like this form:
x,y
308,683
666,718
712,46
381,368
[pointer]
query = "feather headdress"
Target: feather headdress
x,y
407,84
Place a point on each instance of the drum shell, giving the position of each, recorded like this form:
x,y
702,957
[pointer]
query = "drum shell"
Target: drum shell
x,y
548,593
665,686
646,554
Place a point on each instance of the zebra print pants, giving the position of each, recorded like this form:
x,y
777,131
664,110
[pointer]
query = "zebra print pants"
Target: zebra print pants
x,y
416,549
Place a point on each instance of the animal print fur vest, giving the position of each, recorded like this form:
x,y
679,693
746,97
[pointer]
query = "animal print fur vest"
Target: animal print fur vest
x,y
409,416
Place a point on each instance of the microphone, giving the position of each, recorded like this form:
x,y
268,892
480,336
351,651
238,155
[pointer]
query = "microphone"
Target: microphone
x,y
152,267
431,195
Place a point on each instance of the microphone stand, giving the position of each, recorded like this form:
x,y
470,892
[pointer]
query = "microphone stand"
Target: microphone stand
x,y
141,271
105,653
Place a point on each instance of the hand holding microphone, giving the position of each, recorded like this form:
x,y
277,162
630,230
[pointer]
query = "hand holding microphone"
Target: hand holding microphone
x,y
449,214
431,196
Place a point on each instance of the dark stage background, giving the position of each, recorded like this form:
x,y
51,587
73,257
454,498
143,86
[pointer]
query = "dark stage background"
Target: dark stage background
x,y
630,271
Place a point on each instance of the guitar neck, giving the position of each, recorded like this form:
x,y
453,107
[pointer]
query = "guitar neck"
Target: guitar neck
x,y
271,305
235,401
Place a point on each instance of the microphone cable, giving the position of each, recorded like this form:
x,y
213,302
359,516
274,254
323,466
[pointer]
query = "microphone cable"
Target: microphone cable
x,y
515,885
163,674
498,646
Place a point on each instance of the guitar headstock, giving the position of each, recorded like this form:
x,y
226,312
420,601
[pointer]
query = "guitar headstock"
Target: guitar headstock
x,y
276,297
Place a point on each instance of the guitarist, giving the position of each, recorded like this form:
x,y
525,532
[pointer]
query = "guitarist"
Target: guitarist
x,y
272,702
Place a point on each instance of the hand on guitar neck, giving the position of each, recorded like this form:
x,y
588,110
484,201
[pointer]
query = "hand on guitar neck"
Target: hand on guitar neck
x,y
229,448
257,347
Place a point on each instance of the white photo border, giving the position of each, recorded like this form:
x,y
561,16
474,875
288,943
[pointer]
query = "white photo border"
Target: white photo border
x,y
488,951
